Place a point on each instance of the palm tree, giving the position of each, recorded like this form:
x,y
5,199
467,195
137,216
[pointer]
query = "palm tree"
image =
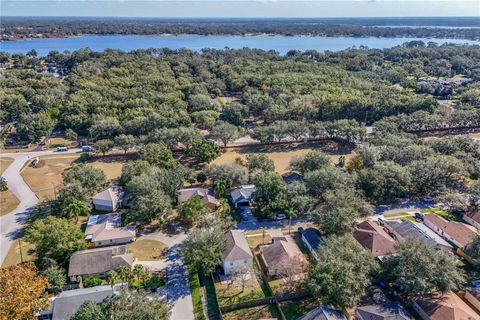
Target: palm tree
x,y
75,209
223,207
139,272
125,274
112,277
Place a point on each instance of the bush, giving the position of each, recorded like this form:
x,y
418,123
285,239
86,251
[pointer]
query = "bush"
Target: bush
x,y
92,281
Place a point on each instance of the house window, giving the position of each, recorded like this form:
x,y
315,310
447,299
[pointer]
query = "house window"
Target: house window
x,y
231,263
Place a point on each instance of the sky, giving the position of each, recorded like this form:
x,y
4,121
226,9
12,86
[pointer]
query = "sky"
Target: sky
x,y
240,8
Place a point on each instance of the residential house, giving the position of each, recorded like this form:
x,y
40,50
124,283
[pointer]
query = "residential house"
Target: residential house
x,y
109,199
209,200
472,295
391,310
242,197
106,230
283,257
98,261
412,229
312,239
291,177
68,302
473,218
447,306
374,238
323,312
237,254
458,233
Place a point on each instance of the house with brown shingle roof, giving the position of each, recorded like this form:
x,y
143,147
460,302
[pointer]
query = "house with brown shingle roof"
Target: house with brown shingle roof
x,y
283,257
209,200
237,253
98,261
473,218
107,230
447,306
460,234
374,238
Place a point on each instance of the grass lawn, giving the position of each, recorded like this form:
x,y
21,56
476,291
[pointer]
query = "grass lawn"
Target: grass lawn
x,y
254,241
295,309
147,250
60,142
8,202
13,256
409,218
280,155
112,169
443,214
399,214
231,293
262,312
212,303
196,295
4,163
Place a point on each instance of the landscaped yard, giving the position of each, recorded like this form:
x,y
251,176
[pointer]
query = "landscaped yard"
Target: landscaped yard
x,y
13,256
262,312
147,250
4,163
254,241
280,155
231,293
8,202
443,214
295,309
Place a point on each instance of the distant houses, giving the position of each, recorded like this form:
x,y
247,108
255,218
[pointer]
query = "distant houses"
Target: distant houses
x,y
208,199
460,234
374,238
109,200
98,261
237,253
283,257
242,197
106,229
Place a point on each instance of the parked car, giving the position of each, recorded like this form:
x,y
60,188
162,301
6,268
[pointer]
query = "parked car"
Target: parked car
x,y
62,149
280,216
87,149
419,215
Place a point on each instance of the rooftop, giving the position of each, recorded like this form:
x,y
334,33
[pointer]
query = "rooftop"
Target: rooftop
x,y
411,229
107,227
459,232
113,193
373,238
446,306
100,260
243,193
187,194
392,310
237,247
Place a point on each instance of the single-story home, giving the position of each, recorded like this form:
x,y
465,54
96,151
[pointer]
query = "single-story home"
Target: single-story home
x,y
473,218
98,261
391,310
323,312
447,306
458,233
109,199
472,295
208,199
242,197
312,239
106,230
68,302
283,257
291,177
412,229
237,253
374,238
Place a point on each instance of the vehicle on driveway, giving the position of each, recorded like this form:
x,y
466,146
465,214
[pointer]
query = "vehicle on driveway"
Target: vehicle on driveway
x,y
280,216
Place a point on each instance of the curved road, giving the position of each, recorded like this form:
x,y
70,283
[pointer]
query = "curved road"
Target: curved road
x,y
11,224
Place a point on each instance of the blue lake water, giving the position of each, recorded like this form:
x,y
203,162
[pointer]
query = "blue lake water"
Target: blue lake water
x,y
281,44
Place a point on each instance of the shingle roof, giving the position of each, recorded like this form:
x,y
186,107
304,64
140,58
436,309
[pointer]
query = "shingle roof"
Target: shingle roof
x,y
237,247
113,194
107,227
474,215
373,238
99,260
448,306
243,193
460,232
68,302
313,237
187,194
323,312
410,229
387,311
283,252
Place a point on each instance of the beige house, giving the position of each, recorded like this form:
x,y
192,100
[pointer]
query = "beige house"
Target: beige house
x,y
98,261
209,200
283,257
447,306
460,234
109,199
237,254
107,230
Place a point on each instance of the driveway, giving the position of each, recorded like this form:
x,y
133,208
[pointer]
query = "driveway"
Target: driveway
x,y
11,224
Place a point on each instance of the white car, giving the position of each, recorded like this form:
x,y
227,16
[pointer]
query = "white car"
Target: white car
x,y
280,216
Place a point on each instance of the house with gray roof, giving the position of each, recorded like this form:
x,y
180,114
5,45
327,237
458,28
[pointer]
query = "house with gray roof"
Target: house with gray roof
x,y
242,197
411,229
68,302
323,312
98,261
392,310
312,239
106,230
109,199
237,253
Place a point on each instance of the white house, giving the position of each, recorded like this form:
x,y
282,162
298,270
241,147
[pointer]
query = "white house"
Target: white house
x,y
242,197
109,199
237,254
312,239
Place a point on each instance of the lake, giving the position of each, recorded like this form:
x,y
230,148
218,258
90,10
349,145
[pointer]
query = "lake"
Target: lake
x,y
282,44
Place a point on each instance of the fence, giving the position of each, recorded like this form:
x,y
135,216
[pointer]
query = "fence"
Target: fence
x,y
264,301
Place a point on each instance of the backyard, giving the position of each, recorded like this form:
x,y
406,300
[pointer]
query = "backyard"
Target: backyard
x,y
262,312
230,292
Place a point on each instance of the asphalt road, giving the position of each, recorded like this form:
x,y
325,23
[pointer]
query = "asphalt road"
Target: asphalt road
x,y
11,224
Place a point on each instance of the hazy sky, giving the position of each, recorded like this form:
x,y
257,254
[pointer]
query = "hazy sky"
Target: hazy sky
x,y
235,8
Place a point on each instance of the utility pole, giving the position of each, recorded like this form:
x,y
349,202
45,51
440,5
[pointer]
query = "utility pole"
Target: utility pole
x,y
20,246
